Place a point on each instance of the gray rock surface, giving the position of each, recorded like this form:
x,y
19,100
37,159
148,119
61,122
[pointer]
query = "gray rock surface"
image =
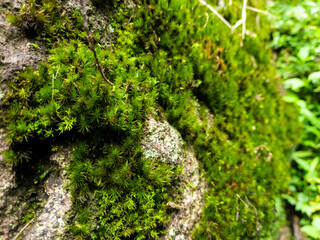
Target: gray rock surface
x,y
17,52
51,223
162,142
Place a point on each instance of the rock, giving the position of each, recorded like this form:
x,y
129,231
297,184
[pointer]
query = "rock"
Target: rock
x,y
161,142
51,222
17,52
7,182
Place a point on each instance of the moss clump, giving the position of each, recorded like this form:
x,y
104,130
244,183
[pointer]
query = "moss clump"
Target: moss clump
x,y
167,56
47,21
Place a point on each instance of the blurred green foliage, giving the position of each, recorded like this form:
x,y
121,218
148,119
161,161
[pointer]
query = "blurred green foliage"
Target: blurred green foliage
x,y
170,58
296,39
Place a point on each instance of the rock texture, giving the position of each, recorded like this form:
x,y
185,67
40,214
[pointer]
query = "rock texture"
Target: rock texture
x,y
163,143
51,222
16,51
17,193
7,182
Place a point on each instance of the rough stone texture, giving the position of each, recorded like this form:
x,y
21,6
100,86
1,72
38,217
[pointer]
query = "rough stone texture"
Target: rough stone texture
x,y
7,177
51,222
16,51
99,18
7,182
164,143
52,198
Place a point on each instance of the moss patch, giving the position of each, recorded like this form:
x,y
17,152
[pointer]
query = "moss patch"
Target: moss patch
x,y
166,55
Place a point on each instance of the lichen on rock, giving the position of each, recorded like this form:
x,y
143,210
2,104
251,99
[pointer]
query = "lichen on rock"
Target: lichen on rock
x,y
51,222
161,142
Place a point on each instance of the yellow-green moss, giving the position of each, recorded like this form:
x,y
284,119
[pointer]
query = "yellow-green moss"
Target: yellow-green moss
x,y
166,54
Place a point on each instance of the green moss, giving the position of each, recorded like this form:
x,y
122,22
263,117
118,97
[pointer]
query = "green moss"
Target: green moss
x,y
163,59
46,21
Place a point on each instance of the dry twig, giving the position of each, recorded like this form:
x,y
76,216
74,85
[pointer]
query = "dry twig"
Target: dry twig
x,y
259,11
214,11
24,228
244,17
90,41
54,76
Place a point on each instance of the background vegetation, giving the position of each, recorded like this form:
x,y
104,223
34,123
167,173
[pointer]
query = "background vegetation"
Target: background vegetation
x,y
166,56
296,39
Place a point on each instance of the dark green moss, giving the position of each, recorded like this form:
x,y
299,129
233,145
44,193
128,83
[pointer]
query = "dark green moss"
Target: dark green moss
x,y
167,56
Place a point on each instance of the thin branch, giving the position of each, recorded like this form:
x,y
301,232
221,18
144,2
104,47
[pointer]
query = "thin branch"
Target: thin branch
x,y
258,225
216,13
259,11
53,79
244,17
251,34
236,25
128,20
24,228
242,200
90,41
207,20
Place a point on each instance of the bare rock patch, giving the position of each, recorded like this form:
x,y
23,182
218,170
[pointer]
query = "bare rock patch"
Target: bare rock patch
x,y
161,142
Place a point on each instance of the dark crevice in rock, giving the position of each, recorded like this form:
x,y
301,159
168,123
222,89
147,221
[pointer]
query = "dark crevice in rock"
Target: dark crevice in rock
x,y
27,196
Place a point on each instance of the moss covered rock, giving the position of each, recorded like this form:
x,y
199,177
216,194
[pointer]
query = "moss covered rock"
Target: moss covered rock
x,y
175,61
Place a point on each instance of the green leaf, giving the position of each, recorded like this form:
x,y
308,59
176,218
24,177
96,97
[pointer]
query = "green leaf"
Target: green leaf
x,y
311,231
290,97
302,163
314,77
294,83
312,174
315,207
303,53
290,199
302,154
35,45
316,222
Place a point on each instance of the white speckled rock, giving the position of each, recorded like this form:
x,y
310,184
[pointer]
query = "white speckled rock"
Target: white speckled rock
x,y
164,143
51,222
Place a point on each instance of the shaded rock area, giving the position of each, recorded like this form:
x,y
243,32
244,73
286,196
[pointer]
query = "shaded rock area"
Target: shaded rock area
x,y
51,222
7,182
36,206
99,18
164,143
16,50
26,191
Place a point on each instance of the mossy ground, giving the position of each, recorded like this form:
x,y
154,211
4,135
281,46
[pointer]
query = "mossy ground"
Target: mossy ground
x,y
166,55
